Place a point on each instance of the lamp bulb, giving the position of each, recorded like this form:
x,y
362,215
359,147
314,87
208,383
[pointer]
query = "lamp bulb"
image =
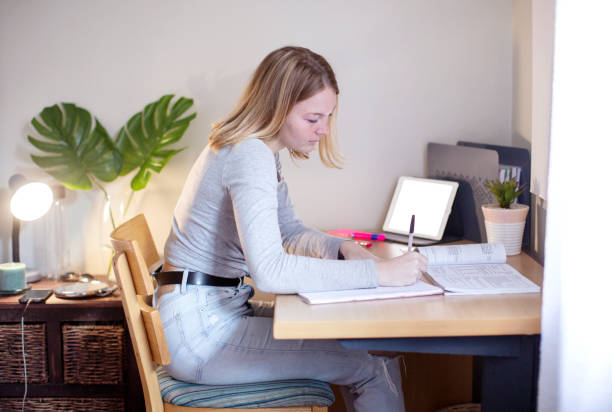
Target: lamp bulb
x,y
31,201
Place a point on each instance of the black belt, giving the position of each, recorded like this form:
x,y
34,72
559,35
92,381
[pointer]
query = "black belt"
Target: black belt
x,y
195,278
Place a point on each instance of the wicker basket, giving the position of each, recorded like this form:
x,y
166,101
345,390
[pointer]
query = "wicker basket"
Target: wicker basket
x,y
94,354
11,353
63,404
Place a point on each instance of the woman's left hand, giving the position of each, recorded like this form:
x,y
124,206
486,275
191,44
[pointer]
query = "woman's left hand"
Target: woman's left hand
x,y
353,251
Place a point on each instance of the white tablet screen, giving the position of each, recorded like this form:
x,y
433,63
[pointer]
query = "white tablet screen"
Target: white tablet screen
x,y
429,200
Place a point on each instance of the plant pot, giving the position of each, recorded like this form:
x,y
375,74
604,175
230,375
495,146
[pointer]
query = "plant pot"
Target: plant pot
x,y
505,226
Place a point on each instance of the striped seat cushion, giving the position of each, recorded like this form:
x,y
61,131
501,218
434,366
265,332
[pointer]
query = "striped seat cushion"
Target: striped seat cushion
x,y
293,392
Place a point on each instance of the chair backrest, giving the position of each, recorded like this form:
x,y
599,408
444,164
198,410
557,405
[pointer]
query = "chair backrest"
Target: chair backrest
x,y
137,229
134,252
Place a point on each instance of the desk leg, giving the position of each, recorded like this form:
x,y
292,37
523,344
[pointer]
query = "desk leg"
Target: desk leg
x,y
509,383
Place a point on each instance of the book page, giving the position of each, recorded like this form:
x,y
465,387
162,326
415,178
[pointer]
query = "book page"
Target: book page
x,y
464,254
477,279
420,288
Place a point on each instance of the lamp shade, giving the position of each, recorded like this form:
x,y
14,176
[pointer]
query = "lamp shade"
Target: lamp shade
x,y
31,201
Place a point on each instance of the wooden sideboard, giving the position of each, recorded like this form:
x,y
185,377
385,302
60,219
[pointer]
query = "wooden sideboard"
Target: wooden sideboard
x,y
78,355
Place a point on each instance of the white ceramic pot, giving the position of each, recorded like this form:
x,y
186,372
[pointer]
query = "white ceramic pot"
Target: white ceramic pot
x,y
505,226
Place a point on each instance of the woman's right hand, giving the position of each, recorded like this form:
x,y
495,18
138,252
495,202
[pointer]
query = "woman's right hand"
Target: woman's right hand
x,y
401,270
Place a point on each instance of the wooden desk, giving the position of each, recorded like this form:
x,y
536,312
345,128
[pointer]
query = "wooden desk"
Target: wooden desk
x,y
502,331
58,380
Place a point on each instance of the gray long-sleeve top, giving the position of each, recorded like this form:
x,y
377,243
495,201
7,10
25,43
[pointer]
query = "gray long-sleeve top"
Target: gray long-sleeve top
x,y
234,218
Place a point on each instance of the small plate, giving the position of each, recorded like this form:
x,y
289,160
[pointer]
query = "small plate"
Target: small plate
x,y
14,292
79,290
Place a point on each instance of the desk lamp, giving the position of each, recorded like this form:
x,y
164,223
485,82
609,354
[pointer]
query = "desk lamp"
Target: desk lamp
x,y
30,201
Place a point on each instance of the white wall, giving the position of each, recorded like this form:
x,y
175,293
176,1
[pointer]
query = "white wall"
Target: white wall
x,y
410,72
576,366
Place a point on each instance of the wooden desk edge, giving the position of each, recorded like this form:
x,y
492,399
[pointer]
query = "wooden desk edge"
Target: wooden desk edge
x,y
402,329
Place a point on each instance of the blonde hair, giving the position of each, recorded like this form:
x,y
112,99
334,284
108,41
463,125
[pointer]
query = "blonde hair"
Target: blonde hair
x,y
284,77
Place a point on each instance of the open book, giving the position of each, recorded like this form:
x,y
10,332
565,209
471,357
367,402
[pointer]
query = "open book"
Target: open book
x,y
475,269
458,269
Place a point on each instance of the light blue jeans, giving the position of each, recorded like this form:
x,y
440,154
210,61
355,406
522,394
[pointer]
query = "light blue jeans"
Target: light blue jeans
x,y
216,337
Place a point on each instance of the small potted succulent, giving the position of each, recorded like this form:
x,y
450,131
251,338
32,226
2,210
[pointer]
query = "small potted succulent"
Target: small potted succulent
x,y
505,220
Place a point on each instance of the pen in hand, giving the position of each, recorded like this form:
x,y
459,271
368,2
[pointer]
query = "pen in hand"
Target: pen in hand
x,y
411,234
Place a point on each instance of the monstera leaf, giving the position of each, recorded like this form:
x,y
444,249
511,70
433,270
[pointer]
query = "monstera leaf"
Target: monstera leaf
x,y
77,152
143,140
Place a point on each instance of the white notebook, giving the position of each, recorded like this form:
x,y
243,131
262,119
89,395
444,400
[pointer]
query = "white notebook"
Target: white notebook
x,y
420,288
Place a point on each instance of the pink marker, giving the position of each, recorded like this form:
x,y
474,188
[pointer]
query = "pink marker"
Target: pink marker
x,y
367,236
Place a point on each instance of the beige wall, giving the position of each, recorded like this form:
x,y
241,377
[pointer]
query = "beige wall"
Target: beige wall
x,y
532,43
522,69
543,15
410,72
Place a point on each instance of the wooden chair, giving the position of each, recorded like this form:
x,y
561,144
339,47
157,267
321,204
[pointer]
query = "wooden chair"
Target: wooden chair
x,y
135,252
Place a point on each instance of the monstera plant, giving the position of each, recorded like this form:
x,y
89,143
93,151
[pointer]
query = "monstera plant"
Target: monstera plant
x,y
81,154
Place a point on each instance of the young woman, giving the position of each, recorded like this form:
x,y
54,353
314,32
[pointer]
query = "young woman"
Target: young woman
x,y
234,219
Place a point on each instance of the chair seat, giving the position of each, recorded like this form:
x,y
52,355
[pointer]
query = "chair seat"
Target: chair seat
x,y
293,392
